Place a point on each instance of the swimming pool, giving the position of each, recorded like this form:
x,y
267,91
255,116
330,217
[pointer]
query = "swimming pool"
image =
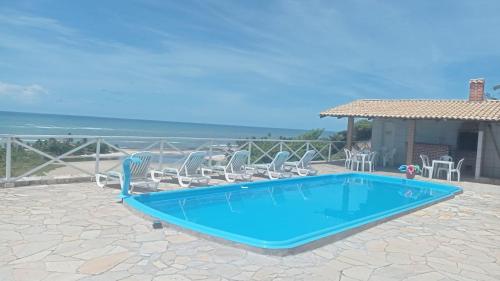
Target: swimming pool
x,y
290,213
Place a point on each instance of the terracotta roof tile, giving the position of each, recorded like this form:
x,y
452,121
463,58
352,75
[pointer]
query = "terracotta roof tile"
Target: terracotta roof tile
x,y
419,109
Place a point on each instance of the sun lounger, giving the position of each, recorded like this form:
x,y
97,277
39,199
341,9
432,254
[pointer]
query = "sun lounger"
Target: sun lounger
x,y
303,166
236,168
140,173
275,169
188,172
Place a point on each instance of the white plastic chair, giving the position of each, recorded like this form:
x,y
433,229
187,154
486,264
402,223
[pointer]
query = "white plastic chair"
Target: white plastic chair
x,y
371,161
275,169
444,167
426,166
187,173
446,158
457,169
348,159
453,170
139,173
303,166
236,168
356,160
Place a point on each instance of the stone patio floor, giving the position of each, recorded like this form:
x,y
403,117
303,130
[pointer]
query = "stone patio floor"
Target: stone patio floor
x,y
80,232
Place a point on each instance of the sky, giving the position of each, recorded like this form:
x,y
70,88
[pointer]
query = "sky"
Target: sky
x,y
256,63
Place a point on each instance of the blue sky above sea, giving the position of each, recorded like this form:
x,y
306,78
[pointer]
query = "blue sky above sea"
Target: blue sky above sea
x,y
254,63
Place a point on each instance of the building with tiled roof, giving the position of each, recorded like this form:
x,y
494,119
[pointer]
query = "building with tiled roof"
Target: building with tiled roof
x,y
488,110
466,128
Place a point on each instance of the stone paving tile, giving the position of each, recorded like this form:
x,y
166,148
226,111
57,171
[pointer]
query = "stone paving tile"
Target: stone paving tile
x,y
81,232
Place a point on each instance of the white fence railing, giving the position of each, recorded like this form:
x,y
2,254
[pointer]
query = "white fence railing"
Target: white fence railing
x,y
53,156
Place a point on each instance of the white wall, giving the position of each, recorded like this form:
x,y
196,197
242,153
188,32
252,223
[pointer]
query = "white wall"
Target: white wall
x,y
437,132
389,133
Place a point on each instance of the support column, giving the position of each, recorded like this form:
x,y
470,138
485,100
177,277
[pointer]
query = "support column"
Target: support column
x,y
410,140
350,129
479,152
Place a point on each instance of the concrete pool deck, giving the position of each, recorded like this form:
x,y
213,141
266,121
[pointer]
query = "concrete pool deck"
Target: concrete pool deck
x,y
80,232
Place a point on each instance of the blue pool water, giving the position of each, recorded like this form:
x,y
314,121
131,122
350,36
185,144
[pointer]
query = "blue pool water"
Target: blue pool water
x,y
285,214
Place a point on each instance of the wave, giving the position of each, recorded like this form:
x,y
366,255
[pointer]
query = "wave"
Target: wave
x,y
68,128
22,123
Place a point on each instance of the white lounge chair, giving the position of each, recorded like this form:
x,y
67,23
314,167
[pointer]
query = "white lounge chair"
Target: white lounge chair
x,y
187,173
275,169
236,168
139,173
303,166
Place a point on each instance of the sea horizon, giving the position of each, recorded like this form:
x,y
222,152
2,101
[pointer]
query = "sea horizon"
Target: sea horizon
x,y
31,123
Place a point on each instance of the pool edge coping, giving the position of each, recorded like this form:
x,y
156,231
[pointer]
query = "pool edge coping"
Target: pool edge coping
x,y
307,246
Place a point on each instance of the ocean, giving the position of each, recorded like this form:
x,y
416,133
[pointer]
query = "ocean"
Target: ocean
x,y
52,124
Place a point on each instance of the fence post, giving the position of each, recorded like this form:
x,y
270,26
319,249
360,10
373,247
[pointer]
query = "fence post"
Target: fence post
x,y
8,158
307,145
249,153
329,152
281,145
161,155
210,151
97,155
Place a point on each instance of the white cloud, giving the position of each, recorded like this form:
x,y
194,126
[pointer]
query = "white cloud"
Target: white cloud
x,y
23,93
35,22
296,56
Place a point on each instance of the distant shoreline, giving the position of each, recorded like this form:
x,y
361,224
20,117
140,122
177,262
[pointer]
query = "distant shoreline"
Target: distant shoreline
x,y
19,123
144,120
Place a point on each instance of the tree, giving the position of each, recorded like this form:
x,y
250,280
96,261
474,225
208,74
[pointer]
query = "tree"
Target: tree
x,y
362,132
313,134
490,96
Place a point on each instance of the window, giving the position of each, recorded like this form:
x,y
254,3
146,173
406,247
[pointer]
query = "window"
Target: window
x,y
467,141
